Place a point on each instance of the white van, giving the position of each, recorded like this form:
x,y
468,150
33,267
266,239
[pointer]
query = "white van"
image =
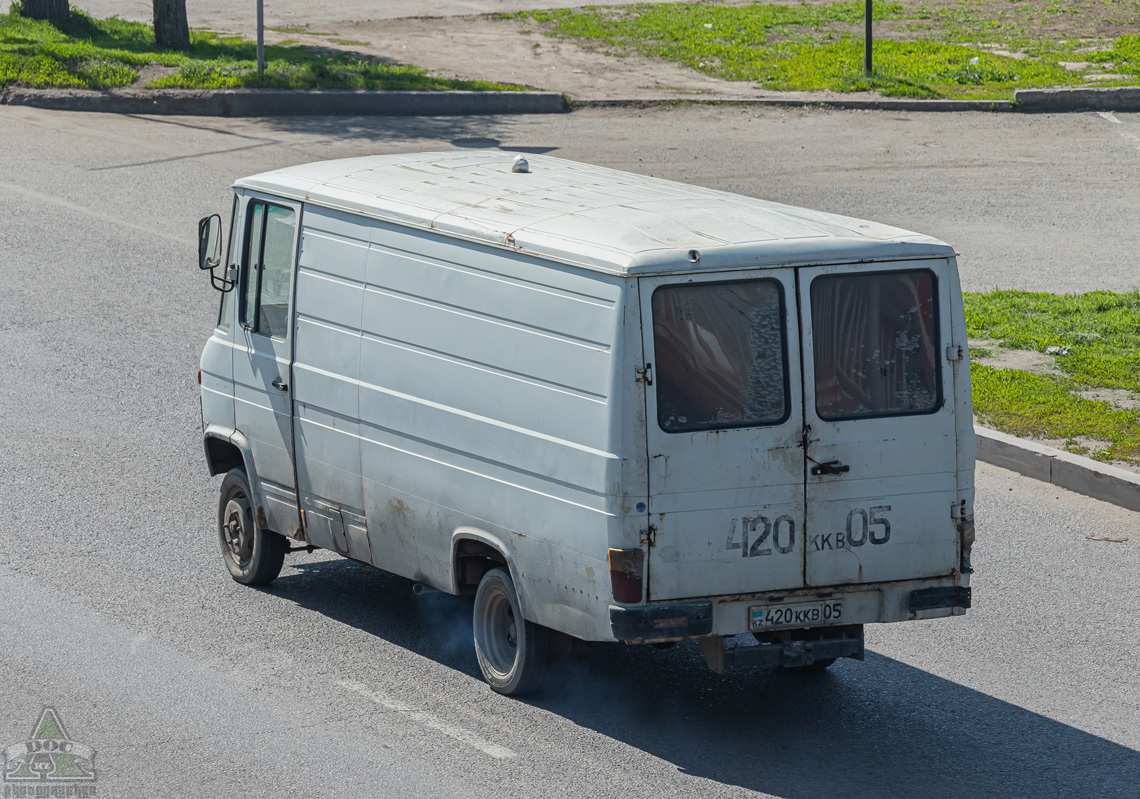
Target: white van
x,y
612,407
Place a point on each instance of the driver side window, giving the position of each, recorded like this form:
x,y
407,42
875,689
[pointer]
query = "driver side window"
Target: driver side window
x,y
267,266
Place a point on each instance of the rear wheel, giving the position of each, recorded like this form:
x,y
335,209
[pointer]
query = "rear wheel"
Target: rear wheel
x,y
254,556
512,652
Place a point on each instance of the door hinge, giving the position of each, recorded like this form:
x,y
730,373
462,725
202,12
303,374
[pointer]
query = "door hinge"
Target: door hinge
x,y
955,352
649,536
645,374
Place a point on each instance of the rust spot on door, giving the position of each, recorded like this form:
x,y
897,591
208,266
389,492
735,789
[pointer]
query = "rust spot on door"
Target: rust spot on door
x,y
399,509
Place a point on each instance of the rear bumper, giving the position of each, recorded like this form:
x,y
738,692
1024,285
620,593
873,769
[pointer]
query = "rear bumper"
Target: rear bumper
x,y
905,600
661,622
951,596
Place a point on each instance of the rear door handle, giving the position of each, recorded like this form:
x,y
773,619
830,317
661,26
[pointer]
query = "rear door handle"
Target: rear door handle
x,y
280,385
830,467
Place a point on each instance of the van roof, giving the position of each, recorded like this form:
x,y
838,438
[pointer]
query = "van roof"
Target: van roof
x,y
598,218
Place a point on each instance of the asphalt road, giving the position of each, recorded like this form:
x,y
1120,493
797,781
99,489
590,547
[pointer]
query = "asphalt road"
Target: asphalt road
x,y
116,610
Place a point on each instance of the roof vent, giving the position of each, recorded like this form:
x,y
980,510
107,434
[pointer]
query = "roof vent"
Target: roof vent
x,y
520,164
694,256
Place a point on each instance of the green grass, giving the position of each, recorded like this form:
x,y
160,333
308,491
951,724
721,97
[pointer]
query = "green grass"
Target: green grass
x,y
1102,332
90,53
805,47
1124,57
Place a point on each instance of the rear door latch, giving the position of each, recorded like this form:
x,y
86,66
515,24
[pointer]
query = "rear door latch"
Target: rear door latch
x,y
829,467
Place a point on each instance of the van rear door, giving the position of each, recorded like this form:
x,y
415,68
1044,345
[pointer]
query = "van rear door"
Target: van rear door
x,y
724,427
738,504
878,399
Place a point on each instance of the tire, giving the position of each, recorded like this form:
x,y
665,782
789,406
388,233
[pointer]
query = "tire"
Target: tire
x,y
513,653
253,556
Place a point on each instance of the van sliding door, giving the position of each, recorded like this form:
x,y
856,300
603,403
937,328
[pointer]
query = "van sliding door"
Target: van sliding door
x,y
724,422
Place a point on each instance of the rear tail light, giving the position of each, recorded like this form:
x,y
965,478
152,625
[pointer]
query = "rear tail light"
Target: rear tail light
x,y
627,568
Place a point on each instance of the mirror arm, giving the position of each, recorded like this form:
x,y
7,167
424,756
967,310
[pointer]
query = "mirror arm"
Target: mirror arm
x,y
223,283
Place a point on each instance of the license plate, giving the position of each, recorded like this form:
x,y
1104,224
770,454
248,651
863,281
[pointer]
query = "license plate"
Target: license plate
x,y
795,614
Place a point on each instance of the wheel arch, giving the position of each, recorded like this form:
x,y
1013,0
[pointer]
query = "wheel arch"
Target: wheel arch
x,y
222,454
229,449
474,552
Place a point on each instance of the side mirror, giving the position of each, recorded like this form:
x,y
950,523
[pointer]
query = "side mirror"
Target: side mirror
x,y
209,242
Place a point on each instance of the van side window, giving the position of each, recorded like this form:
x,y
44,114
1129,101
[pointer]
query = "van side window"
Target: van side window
x,y
721,355
226,311
876,344
267,268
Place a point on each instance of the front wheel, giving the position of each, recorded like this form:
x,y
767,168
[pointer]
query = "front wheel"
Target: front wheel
x,y
512,651
254,556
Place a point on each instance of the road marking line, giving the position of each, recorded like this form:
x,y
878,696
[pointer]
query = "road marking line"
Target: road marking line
x,y
1123,134
428,720
12,188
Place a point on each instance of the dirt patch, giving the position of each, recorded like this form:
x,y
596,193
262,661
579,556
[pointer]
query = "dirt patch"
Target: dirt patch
x,y
152,72
516,51
1092,19
990,354
1127,400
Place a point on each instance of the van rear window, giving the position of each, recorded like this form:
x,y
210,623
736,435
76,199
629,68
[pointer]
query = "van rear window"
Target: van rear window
x,y
721,356
875,338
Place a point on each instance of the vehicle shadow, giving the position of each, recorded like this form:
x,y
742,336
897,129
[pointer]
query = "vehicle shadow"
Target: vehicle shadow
x,y
412,133
434,625
880,728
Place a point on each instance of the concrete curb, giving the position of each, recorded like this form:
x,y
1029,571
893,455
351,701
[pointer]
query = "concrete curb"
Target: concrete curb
x,y
286,102
885,104
1051,101
1082,475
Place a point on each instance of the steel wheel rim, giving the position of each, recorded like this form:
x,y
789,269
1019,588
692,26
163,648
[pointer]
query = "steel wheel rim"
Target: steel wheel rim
x,y
498,632
237,530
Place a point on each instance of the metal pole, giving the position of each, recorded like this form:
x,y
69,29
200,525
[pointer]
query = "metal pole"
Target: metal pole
x,y
866,40
261,35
